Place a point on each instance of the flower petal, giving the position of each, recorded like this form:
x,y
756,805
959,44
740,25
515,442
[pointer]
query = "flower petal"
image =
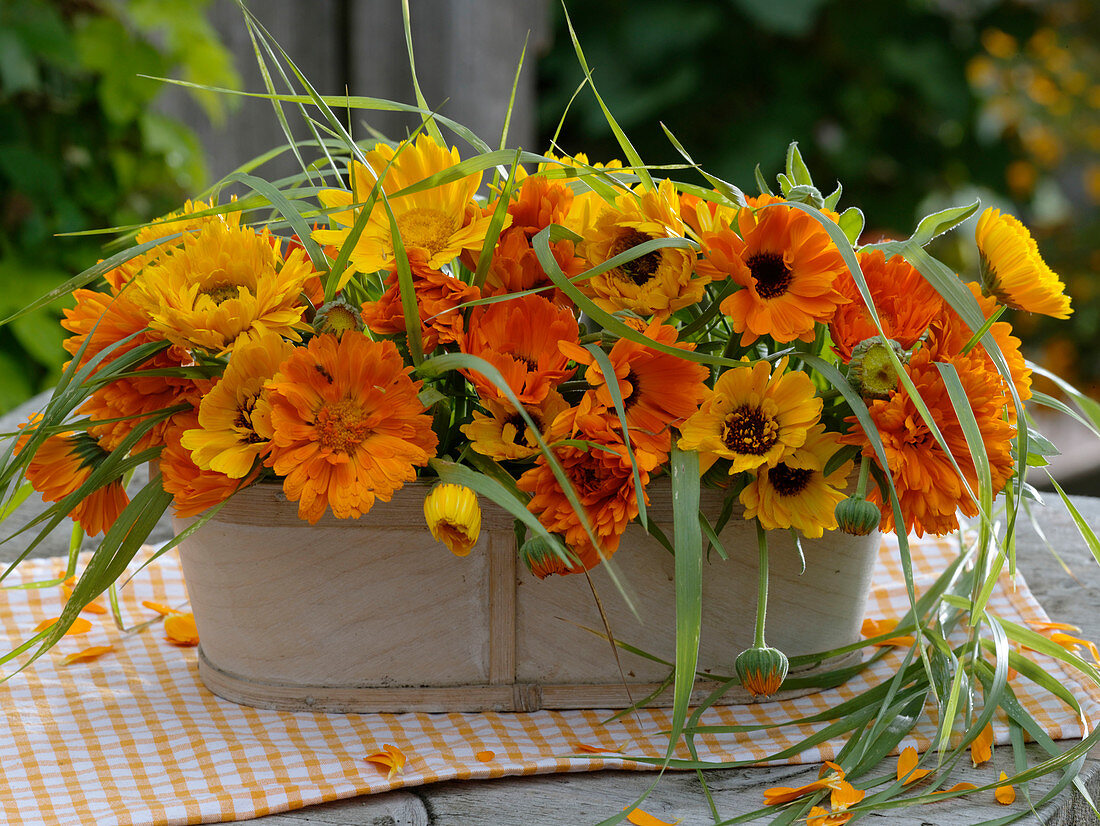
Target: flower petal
x,y
391,757
982,747
485,756
79,626
958,787
179,629
907,767
86,654
1006,794
641,818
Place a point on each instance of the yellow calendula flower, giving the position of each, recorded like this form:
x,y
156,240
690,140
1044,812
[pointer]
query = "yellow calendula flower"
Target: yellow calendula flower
x,y
503,435
454,517
796,493
657,283
224,283
754,417
442,221
1012,269
226,439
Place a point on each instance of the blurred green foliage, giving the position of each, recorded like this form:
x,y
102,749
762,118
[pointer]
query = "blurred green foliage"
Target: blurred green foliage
x,y
910,104
82,146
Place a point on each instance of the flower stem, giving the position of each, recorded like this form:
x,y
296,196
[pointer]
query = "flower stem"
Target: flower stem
x,y
762,584
864,469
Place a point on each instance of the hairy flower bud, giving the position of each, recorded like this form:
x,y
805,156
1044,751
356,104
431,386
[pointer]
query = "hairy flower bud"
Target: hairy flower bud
x,y
337,317
856,516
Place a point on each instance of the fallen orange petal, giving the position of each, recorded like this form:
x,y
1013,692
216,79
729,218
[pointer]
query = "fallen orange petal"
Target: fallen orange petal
x,y
1006,795
823,817
179,629
391,757
585,748
86,654
877,627
1040,626
830,776
79,626
1067,642
93,607
640,818
981,749
958,787
907,767
485,756
163,610
845,795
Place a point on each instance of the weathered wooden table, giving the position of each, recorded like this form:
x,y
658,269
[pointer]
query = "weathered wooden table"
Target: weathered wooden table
x,y
587,798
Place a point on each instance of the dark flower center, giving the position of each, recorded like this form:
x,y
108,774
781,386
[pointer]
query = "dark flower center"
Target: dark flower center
x,y
749,431
642,268
771,274
789,481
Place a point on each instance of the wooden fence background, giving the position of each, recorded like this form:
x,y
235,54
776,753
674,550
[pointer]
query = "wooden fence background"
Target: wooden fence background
x,y
466,51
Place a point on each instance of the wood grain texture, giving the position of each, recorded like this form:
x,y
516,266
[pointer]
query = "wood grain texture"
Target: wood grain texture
x,y
299,617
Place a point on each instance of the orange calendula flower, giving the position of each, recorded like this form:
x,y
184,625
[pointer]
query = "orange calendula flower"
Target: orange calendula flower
x,y
226,440
830,776
99,321
796,493
1005,793
905,302
876,627
654,284
439,297
454,517
981,748
193,489
520,338
907,767
441,222
601,474
929,489
180,629
1013,271
222,284
390,758
754,417
503,435
79,626
346,425
788,267
61,464
87,654
658,390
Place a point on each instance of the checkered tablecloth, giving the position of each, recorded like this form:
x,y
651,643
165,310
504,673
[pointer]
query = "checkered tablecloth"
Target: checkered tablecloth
x,y
133,737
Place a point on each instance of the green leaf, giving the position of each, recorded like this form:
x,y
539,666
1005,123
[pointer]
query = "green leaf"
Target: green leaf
x,y
688,542
940,222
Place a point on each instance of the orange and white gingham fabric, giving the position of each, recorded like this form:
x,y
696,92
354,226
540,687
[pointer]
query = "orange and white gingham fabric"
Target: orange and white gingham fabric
x,y
133,737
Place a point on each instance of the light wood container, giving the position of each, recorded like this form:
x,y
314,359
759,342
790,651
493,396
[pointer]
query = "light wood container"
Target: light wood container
x,y
373,615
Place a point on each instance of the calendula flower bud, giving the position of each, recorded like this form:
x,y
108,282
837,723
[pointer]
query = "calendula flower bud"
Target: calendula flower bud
x,y
337,317
541,559
761,670
856,516
871,372
454,517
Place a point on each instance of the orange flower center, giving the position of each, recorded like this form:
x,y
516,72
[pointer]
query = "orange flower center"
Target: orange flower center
x,y
427,229
642,268
749,430
789,481
342,425
771,273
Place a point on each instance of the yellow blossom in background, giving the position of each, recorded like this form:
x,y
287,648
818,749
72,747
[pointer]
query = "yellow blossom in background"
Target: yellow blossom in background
x,y
454,517
440,221
1012,269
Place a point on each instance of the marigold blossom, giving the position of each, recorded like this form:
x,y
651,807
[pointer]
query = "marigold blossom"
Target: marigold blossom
x,y
1013,271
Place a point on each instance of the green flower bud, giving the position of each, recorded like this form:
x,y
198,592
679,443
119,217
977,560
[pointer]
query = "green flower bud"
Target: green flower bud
x,y
337,317
857,516
871,372
542,560
761,670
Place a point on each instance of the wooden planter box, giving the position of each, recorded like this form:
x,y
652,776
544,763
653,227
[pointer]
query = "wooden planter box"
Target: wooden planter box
x,y
373,615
